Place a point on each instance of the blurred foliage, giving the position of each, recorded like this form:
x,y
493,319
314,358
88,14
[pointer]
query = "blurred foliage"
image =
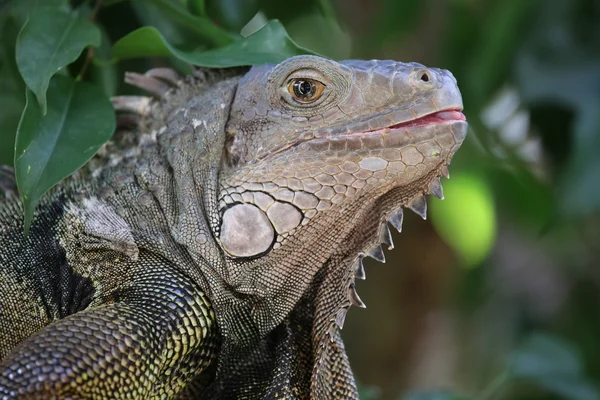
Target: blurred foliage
x,y
523,320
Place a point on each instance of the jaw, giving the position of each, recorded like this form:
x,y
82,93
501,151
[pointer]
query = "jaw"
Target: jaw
x,y
384,205
294,185
345,188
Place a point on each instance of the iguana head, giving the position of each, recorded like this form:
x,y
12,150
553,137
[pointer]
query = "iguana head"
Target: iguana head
x,y
319,156
286,177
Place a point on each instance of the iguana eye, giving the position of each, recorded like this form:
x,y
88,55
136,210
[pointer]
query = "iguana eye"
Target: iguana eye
x,y
305,90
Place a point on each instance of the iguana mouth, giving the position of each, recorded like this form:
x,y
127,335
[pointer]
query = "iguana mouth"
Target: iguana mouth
x,y
435,118
392,136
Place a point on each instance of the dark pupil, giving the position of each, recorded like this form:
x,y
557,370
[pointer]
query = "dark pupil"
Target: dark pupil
x,y
303,89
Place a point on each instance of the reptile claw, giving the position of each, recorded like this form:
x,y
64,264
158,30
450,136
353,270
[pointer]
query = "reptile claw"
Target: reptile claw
x,y
419,206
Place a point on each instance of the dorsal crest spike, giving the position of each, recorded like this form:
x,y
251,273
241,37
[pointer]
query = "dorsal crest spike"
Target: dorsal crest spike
x,y
385,236
150,84
396,219
167,75
354,298
419,206
445,172
359,269
340,317
135,104
435,188
376,253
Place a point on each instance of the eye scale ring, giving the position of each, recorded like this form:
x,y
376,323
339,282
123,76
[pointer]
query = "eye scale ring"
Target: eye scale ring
x,y
305,90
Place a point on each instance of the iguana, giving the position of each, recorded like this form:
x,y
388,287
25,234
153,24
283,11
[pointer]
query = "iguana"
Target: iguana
x,y
213,254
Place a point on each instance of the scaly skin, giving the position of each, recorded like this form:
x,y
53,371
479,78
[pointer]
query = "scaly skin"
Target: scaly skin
x,y
215,257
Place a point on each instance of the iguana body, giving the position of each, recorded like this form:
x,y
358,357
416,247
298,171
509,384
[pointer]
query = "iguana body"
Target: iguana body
x,y
215,256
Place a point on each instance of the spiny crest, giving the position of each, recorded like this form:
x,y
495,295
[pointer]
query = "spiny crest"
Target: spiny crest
x,y
168,90
419,206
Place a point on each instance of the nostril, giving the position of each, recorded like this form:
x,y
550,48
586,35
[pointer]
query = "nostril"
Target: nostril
x,y
425,76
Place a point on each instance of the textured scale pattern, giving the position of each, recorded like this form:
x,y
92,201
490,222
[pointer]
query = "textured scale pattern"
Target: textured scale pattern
x,y
211,250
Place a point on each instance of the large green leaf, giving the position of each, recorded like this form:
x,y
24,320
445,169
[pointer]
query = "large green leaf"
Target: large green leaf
x,y
498,40
270,44
50,147
22,8
197,7
233,14
312,24
179,26
50,40
12,91
103,71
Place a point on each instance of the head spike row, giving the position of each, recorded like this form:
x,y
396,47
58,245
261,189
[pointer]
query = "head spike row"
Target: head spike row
x,y
435,188
445,172
134,104
396,219
354,299
376,253
151,85
359,269
419,206
385,236
167,75
340,317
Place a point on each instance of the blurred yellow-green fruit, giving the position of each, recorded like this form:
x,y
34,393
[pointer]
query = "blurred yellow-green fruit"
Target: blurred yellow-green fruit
x,y
466,219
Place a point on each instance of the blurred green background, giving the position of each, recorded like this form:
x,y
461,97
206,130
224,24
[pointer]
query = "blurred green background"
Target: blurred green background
x,y
497,294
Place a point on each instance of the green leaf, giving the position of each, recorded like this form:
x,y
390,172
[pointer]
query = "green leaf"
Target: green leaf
x,y
50,40
12,91
542,355
311,24
197,7
22,8
103,71
179,26
270,44
232,14
554,365
143,42
80,119
499,39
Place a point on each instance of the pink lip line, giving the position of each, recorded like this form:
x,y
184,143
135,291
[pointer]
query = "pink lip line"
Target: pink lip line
x,y
429,119
435,118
